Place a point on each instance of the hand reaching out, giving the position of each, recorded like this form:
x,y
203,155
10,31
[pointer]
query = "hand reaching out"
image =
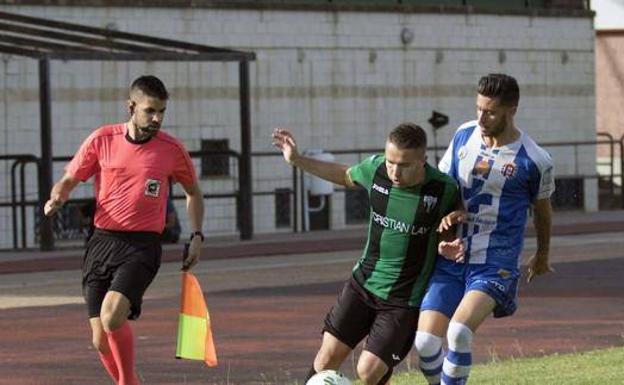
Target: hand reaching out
x,y
191,253
538,265
453,251
284,140
453,218
53,205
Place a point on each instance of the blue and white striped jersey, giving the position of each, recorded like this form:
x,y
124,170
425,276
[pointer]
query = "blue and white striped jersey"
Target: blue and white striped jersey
x,y
497,186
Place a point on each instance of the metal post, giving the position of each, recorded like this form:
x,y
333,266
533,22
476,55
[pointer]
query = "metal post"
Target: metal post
x,y
14,203
621,144
23,204
294,198
45,173
435,147
303,198
244,177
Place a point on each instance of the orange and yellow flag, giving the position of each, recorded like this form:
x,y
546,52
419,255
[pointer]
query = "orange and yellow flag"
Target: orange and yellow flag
x,y
194,332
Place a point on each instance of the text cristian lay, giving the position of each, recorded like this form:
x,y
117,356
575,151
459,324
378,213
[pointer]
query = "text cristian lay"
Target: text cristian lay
x,y
395,225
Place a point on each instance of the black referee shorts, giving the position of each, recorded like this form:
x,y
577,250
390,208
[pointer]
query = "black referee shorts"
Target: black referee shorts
x,y
125,262
357,313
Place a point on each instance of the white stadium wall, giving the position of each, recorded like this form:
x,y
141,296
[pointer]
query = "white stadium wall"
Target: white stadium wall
x,y
339,79
609,95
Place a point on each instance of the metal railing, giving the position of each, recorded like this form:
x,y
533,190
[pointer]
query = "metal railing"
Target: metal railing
x,y
21,199
19,161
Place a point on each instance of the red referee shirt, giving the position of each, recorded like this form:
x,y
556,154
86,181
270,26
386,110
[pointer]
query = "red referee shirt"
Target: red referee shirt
x,y
131,179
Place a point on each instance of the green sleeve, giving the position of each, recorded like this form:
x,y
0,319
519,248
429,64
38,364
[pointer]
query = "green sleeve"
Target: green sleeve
x,y
451,198
364,172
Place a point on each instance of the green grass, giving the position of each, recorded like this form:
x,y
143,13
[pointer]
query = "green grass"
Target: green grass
x,y
590,368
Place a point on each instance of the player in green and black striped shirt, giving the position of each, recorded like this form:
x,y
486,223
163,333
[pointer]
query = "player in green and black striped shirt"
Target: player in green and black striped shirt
x,y
408,198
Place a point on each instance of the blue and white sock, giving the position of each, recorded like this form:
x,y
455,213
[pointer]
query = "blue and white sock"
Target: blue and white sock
x,y
458,361
429,348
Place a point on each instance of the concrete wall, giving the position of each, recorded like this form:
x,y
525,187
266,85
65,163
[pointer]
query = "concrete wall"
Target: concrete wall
x,y
339,79
609,93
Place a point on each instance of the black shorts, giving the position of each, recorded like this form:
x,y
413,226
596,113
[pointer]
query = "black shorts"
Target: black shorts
x,y
125,262
357,313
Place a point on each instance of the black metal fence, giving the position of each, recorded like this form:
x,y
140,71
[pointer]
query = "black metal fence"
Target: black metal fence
x,y
66,224
284,188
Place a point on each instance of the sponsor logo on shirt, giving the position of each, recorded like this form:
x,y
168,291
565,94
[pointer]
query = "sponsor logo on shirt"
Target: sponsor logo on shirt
x,y
380,189
152,188
393,224
508,170
482,167
420,231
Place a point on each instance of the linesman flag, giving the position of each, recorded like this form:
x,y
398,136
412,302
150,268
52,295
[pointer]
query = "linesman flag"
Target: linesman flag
x,y
194,333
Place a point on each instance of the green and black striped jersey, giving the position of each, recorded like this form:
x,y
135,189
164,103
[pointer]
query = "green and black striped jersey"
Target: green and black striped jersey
x,y
402,243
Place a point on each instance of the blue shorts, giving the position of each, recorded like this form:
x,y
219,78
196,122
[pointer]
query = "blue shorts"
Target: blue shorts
x,y
450,281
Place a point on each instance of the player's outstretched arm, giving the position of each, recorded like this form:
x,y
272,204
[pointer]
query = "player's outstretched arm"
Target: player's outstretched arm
x,y
60,194
538,264
195,211
333,172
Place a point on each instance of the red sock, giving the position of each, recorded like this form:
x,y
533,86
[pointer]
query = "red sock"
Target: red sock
x,y
109,363
122,346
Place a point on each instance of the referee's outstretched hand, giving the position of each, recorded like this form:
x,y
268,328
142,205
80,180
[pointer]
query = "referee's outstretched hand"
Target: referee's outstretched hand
x,y
191,253
52,206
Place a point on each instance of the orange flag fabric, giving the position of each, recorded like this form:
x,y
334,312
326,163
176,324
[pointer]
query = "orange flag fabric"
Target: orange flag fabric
x,y
194,332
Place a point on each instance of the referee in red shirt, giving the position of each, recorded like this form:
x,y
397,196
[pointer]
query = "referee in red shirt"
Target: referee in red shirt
x,y
133,164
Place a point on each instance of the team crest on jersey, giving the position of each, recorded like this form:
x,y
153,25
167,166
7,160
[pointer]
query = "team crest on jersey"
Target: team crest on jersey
x,y
461,154
482,167
429,202
508,170
152,188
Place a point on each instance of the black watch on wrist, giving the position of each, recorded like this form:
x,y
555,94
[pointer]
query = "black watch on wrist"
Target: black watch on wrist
x,y
198,234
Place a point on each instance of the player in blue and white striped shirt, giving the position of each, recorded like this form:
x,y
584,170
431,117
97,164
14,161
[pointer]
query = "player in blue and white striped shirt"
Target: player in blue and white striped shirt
x,y
501,172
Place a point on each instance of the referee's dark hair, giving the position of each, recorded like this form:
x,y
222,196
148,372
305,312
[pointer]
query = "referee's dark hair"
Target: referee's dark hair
x,y
502,87
408,136
151,86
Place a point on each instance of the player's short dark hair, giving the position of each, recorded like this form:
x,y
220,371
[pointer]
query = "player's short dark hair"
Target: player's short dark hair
x,y
408,136
500,86
151,86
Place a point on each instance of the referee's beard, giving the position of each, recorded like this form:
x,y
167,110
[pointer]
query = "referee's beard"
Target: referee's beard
x,y
149,131
146,132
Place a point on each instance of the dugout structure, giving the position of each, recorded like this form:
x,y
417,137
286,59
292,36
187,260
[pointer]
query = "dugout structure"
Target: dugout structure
x,y
46,40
